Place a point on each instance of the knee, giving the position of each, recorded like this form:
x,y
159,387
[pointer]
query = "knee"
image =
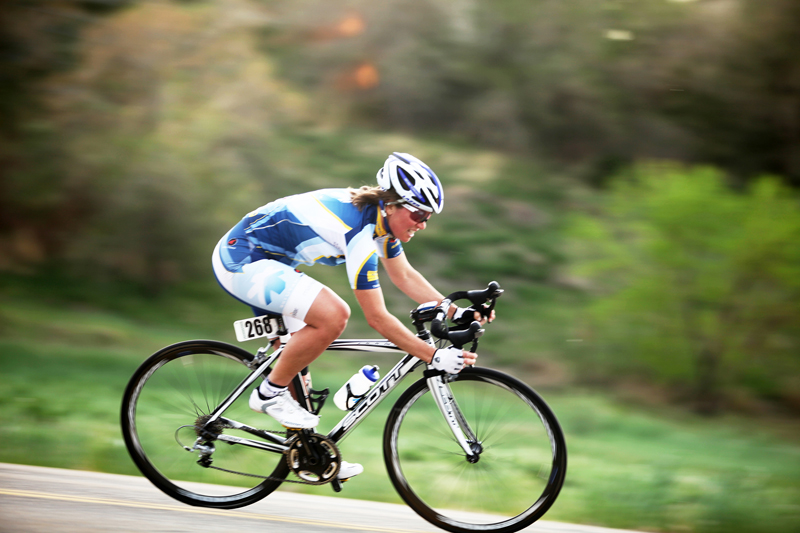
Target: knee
x,y
329,313
340,316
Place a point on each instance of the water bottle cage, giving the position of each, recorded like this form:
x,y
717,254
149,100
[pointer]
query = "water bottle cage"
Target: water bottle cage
x,y
317,399
355,398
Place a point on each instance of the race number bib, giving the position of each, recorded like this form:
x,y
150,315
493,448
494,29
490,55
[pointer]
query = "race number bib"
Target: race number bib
x,y
254,328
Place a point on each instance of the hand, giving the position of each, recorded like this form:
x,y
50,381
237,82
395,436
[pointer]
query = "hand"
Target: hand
x,y
469,358
452,359
482,319
461,316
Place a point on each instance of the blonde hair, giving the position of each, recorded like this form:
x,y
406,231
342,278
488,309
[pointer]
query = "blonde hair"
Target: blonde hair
x,y
370,195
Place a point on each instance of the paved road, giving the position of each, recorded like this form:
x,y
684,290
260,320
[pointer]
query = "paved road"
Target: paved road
x,y
51,500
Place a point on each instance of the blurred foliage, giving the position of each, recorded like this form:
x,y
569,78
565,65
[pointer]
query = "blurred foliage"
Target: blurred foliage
x,y
142,151
590,84
693,284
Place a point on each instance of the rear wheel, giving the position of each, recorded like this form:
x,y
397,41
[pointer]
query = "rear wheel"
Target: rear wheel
x,y
517,466
172,392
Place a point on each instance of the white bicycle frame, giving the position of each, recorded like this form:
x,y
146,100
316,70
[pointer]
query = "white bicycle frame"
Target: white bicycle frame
x,y
437,384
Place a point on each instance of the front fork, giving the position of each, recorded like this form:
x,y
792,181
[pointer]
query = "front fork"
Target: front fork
x,y
462,432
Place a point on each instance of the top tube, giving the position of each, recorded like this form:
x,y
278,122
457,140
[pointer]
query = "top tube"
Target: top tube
x,y
364,345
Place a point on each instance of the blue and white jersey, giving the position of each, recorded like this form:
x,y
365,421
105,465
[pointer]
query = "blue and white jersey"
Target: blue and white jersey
x,y
318,227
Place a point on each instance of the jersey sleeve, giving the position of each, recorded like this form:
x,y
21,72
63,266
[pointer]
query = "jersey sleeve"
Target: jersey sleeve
x,y
367,274
362,261
388,247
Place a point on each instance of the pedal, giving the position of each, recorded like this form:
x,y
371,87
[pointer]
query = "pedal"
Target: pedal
x,y
337,485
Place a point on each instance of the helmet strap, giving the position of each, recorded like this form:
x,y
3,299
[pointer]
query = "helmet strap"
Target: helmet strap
x,y
382,207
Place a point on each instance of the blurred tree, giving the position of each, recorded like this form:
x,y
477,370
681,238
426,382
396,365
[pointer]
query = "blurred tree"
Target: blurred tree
x,y
38,201
137,157
740,88
589,84
695,285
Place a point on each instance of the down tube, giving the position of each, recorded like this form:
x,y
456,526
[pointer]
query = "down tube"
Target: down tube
x,y
376,395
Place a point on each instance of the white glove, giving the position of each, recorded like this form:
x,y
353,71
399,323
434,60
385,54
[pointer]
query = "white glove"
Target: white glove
x,y
450,359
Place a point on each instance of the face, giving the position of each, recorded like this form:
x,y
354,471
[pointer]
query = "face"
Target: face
x,y
402,222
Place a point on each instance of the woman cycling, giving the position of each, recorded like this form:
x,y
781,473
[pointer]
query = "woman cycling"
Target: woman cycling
x,y
255,262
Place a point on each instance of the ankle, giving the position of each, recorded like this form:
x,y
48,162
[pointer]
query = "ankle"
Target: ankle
x,y
267,389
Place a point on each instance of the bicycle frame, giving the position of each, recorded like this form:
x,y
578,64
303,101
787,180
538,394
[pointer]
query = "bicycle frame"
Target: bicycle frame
x,y
438,386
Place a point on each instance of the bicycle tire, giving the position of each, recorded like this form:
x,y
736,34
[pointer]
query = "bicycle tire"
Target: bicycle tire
x,y
518,474
161,403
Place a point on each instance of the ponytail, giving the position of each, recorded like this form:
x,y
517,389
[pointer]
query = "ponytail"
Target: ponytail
x,y
370,195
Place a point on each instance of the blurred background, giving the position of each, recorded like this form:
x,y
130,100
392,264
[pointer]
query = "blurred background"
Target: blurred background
x,y
628,170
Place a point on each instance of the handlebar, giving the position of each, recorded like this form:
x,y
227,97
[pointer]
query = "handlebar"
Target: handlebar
x,y
478,299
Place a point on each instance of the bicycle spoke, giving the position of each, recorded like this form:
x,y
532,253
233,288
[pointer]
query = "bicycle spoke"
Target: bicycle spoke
x,y
498,491
164,401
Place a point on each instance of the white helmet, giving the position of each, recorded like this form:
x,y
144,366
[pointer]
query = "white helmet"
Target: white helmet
x,y
413,180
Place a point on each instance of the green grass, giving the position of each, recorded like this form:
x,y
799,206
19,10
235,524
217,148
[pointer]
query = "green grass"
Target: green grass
x,y
63,369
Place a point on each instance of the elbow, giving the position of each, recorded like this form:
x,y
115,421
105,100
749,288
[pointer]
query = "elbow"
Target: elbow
x,y
375,322
378,321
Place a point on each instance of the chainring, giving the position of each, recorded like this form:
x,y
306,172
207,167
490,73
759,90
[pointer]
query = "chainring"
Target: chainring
x,y
313,458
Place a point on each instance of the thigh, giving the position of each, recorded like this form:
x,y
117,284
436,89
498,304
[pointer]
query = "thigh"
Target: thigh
x,y
272,286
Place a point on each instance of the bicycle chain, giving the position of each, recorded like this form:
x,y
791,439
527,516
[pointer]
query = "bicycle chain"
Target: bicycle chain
x,y
266,478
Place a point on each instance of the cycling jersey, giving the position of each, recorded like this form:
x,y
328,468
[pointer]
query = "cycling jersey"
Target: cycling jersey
x,y
318,227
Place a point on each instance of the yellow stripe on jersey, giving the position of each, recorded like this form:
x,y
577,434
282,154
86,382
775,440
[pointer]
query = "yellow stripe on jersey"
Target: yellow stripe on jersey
x,y
361,267
380,228
331,212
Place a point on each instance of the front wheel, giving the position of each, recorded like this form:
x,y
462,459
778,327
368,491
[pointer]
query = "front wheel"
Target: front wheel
x,y
517,466
167,397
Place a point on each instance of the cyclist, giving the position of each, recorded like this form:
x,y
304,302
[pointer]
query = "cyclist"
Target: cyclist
x,y
255,262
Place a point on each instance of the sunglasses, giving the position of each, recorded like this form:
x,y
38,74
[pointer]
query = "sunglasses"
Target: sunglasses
x,y
417,215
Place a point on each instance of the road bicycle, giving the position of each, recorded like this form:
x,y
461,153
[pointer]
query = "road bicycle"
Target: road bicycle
x,y
475,451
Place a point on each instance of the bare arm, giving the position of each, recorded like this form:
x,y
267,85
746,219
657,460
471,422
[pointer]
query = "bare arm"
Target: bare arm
x,y
374,307
372,303
415,286
410,281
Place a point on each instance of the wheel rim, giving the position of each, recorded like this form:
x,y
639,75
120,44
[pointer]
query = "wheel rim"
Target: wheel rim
x,y
166,401
508,485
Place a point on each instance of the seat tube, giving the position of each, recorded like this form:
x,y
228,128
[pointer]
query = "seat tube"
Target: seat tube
x,y
451,413
242,387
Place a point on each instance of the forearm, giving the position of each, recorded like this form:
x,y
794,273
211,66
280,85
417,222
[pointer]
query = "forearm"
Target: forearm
x,y
419,289
389,326
371,302
415,286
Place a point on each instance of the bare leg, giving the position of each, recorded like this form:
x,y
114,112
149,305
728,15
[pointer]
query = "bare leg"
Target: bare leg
x,y
325,321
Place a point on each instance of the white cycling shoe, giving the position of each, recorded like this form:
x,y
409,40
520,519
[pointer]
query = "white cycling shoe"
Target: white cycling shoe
x,y
348,470
285,410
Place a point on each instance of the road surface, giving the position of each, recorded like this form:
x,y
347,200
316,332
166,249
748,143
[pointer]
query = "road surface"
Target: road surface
x,y
51,500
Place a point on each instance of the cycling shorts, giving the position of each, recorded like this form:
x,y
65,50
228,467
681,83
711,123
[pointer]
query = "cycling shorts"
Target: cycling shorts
x,y
264,284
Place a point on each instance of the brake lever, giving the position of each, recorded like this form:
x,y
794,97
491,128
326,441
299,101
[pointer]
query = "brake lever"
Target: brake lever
x,y
460,338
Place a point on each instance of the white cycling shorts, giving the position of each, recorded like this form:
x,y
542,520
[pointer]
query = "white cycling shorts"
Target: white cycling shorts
x,y
269,285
